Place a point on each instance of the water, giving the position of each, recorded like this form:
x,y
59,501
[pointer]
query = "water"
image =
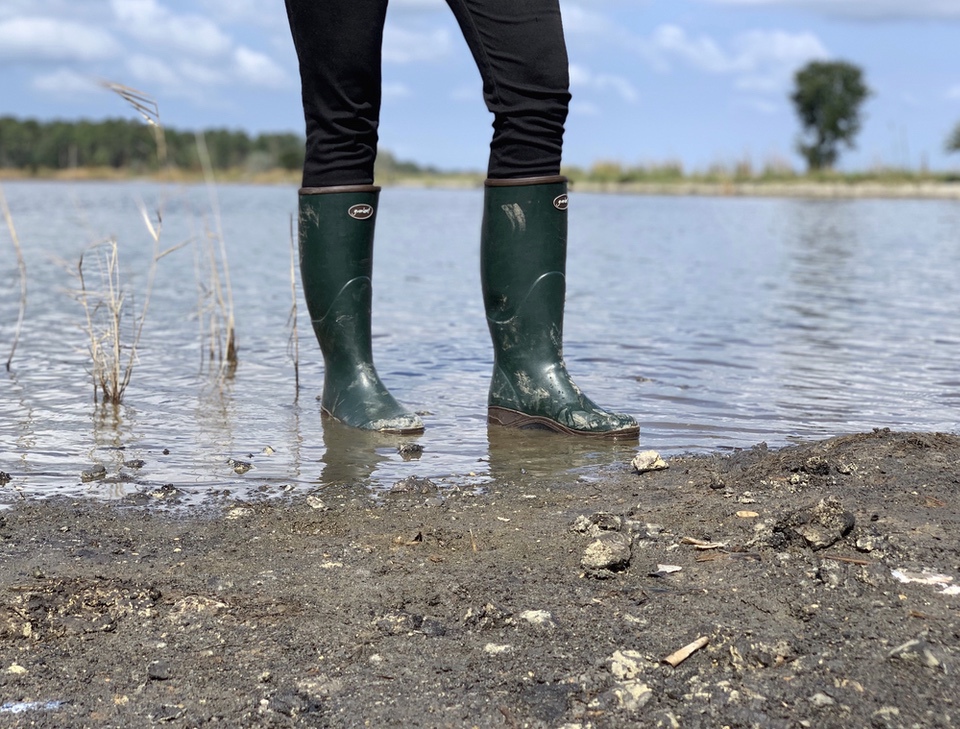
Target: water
x,y
718,323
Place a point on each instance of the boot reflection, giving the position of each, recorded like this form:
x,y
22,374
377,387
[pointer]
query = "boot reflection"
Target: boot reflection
x,y
352,455
526,456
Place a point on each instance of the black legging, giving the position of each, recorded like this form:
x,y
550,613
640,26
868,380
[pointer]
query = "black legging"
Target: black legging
x,y
518,46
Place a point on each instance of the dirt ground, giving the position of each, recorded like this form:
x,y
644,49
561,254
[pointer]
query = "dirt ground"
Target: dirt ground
x,y
822,579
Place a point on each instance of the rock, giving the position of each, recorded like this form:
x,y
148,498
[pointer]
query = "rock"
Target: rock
x,y
240,467
93,474
319,688
135,464
410,451
496,649
632,695
4,478
816,466
601,521
627,664
413,485
647,461
917,652
538,618
819,526
609,552
315,502
821,700
159,671
488,616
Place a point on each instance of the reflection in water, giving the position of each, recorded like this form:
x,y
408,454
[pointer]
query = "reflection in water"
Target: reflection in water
x,y
352,456
528,456
719,323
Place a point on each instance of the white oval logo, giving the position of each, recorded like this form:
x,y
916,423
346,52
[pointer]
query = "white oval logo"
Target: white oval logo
x,y
560,202
360,212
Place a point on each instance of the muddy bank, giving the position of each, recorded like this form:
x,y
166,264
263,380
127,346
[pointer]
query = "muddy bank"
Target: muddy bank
x,y
820,579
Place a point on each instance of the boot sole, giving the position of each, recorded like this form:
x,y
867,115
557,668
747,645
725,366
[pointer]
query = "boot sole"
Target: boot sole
x,y
514,419
389,431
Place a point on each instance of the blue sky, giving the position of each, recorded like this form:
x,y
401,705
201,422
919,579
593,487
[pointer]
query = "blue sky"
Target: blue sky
x,y
696,81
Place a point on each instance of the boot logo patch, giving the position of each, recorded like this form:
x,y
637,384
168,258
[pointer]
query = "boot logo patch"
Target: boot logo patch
x,y
360,212
560,202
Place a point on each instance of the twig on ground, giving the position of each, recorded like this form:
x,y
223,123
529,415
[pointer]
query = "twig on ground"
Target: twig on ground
x,y
678,657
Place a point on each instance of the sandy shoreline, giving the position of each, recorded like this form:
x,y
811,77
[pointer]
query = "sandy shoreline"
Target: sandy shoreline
x,y
818,582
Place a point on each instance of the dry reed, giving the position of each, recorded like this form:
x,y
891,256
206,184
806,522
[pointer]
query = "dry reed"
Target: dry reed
x,y
222,329
294,343
22,267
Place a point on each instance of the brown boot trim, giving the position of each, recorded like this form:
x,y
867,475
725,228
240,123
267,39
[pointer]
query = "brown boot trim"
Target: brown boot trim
x,y
521,181
338,188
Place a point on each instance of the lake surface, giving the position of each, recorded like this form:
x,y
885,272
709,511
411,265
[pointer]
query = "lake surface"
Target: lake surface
x,y
717,322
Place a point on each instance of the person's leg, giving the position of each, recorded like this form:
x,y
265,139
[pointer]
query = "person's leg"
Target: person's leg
x,y
338,45
520,51
522,57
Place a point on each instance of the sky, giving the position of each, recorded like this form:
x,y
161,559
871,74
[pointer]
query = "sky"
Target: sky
x,y
700,82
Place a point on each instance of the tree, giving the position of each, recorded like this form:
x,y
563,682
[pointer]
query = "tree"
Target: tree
x,y
828,97
953,141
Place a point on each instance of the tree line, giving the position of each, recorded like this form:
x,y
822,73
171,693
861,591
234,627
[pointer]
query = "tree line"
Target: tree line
x,y
827,97
31,145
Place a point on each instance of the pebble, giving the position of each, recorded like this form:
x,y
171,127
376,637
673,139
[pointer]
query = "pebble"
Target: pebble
x,y
626,664
538,618
496,649
820,526
821,700
915,651
159,671
239,467
632,695
610,551
647,461
93,474
410,451
315,502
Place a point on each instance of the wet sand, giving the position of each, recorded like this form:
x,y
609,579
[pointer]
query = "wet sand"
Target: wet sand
x,y
816,586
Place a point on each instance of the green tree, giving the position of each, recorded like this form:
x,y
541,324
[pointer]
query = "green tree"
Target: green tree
x,y
953,141
828,97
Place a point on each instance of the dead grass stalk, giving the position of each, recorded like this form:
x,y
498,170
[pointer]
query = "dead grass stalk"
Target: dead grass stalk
x,y
22,267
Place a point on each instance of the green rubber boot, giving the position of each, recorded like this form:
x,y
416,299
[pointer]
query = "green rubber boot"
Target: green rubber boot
x,y
336,260
523,253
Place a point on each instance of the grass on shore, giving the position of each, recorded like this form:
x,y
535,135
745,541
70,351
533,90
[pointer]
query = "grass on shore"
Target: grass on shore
x,y
602,175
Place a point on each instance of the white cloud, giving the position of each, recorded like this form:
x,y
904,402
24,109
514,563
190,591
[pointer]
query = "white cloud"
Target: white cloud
x,y
396,90
584,78
417,5
584,108
65,81
406,46
257,69
47,39
149,22
260,12
202,74
863,9
468,93
761,60
152,72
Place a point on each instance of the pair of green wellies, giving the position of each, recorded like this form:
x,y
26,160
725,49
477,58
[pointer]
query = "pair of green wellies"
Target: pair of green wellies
x,y
523,261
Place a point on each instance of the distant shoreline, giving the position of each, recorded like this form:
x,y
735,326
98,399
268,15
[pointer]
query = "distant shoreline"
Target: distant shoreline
x,y
799,188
